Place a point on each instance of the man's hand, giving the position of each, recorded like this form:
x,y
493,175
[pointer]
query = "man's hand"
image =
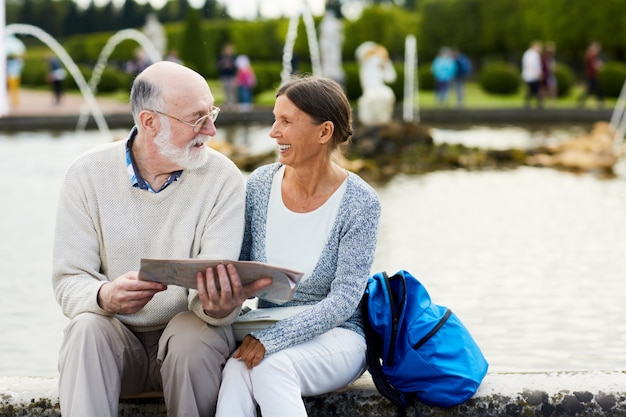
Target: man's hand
x,y
251,351
221,291
127,294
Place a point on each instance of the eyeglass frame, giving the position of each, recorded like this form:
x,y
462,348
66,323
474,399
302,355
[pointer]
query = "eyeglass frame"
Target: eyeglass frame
x,y
198,124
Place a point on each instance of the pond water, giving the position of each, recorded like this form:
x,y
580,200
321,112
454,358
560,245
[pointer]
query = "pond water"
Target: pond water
x,y
532,260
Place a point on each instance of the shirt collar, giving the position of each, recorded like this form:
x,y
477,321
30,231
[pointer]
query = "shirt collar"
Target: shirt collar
x,y
135,178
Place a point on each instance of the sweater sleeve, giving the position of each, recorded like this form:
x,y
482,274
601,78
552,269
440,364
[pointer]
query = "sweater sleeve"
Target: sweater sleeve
x,y
76,256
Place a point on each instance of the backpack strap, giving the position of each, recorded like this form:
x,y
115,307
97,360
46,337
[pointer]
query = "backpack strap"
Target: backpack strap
x,y
374,353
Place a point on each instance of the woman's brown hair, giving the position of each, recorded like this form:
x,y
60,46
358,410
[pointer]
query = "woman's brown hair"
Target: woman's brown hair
x,y
324,100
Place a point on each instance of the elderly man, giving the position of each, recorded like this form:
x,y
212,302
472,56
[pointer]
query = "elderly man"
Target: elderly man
x,y
161,193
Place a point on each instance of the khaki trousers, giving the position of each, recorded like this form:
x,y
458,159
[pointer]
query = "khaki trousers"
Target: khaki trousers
x,y
101,359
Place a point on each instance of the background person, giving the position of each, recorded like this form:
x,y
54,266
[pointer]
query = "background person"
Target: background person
x,y
532,73
56,75
548,66
444,70
246,81
306,213
463,70
161,193
593,65
227,71
15,65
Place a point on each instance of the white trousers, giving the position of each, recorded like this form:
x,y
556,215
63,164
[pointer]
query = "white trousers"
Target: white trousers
x,y
321,365
101,359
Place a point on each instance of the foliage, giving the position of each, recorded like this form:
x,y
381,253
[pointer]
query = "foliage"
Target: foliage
x,y
487,30
565,79
452,23
113,80
194,48
500,78
267,75
258,39
369,28
87,49
352,81
612,77
35,70
398,85
426,78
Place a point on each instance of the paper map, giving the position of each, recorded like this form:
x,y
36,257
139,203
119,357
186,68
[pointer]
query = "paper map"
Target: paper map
x,y
183,272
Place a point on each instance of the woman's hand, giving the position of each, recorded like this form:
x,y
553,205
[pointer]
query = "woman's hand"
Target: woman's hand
x,y
251,351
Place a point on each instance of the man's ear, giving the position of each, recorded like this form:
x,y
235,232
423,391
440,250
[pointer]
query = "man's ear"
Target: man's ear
x,y
149,122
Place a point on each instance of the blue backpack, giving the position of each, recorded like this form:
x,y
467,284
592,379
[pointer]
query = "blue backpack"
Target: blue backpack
x,y
417,350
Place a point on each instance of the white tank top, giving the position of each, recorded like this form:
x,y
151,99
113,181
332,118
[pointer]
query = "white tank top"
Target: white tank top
x,y
296,240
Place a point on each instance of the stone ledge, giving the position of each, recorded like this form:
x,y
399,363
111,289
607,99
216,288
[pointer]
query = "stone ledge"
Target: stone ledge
x,y
545,394
264,116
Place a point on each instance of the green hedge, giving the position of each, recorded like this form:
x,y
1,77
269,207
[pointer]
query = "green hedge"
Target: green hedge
x,y
500,78
565,79
612,78
267,75
426,77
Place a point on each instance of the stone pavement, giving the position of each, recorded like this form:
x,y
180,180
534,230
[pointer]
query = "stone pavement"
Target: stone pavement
x,y
41,103
547,394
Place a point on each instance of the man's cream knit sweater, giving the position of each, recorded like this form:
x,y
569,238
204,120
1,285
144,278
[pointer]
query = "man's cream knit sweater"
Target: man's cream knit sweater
x,y
105,225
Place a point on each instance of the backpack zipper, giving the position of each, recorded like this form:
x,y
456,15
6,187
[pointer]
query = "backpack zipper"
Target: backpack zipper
x,y
394,315
430,334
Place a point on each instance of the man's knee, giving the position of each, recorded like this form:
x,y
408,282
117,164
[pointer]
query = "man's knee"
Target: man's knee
x,y
188,338
90,326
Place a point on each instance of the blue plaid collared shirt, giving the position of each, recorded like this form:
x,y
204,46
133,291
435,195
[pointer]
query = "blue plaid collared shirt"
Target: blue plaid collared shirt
x,y
135,177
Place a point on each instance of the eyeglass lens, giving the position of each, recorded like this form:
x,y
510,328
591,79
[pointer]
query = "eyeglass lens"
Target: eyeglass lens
x,y
199,125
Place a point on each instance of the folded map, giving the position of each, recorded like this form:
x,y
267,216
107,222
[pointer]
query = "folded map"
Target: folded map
x,y
183,272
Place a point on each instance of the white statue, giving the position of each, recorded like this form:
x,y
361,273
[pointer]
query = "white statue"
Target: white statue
x,y
331,39
155,32
375,71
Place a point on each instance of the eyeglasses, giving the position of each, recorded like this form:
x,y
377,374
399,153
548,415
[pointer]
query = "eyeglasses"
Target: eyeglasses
x,y
199,124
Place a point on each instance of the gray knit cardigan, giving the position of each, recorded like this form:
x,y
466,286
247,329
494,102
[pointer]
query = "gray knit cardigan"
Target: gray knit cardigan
x,y
336,285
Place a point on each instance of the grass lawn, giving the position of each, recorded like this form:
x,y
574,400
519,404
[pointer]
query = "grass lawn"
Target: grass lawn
x,y
475,98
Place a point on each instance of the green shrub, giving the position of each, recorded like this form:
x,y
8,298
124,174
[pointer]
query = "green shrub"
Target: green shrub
x,y
352,82
565,79
112,80
193,49
384,24
612,78
35,70
398,85
267,75
426,78
500,78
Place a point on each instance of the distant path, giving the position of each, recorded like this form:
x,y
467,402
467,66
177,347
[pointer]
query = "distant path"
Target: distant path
x,y
40,103
37,112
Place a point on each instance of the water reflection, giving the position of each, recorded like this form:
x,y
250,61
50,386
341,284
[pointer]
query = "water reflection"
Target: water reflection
x,y
531,259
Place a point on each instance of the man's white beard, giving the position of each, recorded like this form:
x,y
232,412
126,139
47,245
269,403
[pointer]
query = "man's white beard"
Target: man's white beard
x,y
190,157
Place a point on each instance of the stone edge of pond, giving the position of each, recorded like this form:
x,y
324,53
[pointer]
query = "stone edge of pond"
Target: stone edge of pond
x,y
584,393
264,116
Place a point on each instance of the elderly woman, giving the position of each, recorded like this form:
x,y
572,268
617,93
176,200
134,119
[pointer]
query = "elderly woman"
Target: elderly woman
x,y
306,213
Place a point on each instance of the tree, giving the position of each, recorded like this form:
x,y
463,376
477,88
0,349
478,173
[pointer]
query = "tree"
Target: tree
x,y
73,20
193,51
131,18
